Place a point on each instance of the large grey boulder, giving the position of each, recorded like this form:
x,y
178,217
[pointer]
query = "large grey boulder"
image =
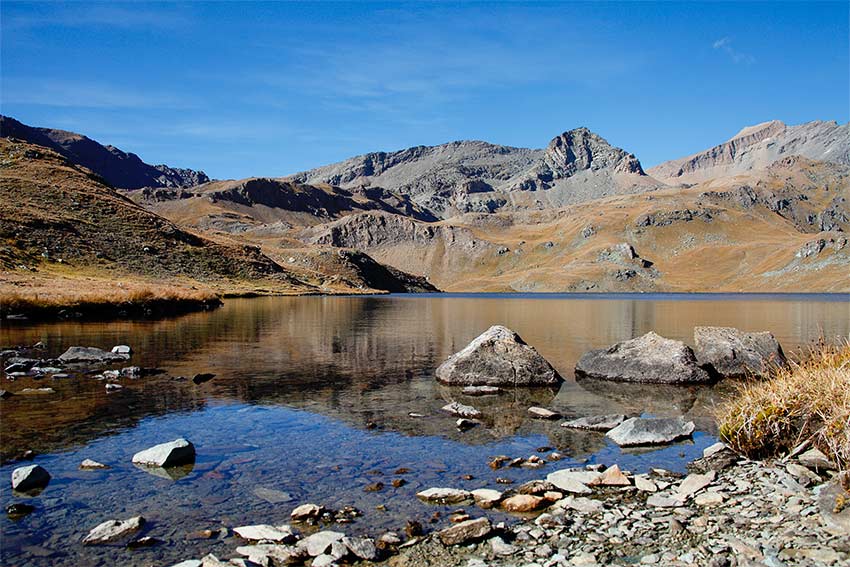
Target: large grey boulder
x,y
650,431
596,422
648,359
735,353
31,477
171,454
498,357
92,355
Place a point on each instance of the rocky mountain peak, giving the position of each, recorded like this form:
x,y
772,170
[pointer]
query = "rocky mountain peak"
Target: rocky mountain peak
x,y
580,149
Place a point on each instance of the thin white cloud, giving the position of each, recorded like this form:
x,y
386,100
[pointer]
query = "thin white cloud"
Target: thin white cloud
x,y
724,44
77,94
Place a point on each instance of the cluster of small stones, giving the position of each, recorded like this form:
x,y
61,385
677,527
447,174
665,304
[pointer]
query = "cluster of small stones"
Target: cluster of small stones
x,y
751,513
76,361
727,512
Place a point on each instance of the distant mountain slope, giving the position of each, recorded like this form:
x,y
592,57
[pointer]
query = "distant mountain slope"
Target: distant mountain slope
x,y
474,176
57,217
782,228
118,168
758,146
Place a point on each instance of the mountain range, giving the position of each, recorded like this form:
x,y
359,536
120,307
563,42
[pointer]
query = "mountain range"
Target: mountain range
x,y
766,210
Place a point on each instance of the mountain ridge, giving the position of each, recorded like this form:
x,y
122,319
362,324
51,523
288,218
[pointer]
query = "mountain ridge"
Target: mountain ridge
x,y
758,146
120,169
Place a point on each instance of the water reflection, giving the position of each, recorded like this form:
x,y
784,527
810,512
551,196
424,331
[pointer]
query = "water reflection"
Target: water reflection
x,y
312,401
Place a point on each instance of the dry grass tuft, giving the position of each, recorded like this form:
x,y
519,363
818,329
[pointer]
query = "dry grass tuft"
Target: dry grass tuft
x,y
808,400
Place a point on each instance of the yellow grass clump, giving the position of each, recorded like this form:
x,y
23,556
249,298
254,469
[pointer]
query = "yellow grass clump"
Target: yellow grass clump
x,y
807,401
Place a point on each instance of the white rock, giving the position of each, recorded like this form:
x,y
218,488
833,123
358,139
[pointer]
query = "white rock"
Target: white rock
x,y
89,464
306,512
713,449
693,483
122,349
645,484
189,563
323,560
173,453
111,530
486,497
708,499
444,495
573,481
320,542
265,532
362,547
30,477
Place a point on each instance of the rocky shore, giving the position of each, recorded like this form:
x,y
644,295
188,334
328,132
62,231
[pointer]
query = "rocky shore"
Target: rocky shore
x,y
728,511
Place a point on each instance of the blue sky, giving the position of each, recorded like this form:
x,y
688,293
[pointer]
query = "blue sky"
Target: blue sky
x,y
242,89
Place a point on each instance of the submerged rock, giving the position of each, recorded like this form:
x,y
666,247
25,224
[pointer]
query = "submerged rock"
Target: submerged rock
x,y
543,413
464,532
498,357
171,454
734,353
112,530
481,390
646,359
31,477
92,355
650,431
461,410
89,464
596,422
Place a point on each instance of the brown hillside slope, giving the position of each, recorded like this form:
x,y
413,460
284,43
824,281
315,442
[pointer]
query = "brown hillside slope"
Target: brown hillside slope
x,y
778,229
60,224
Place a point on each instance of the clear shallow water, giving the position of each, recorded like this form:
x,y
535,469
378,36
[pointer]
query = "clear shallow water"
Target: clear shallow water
x,y
301,381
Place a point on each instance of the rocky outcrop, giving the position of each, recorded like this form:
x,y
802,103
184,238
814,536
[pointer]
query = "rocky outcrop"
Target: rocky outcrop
x,y
734,353
118,168
758,146
498,357
573,151
647,359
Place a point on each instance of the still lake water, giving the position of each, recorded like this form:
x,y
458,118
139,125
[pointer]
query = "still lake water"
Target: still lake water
x,y
311,399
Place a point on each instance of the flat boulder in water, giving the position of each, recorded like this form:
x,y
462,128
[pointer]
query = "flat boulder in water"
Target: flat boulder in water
x,y
498,357
171,454
650,359
735,353
92,355
650,431
596,422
